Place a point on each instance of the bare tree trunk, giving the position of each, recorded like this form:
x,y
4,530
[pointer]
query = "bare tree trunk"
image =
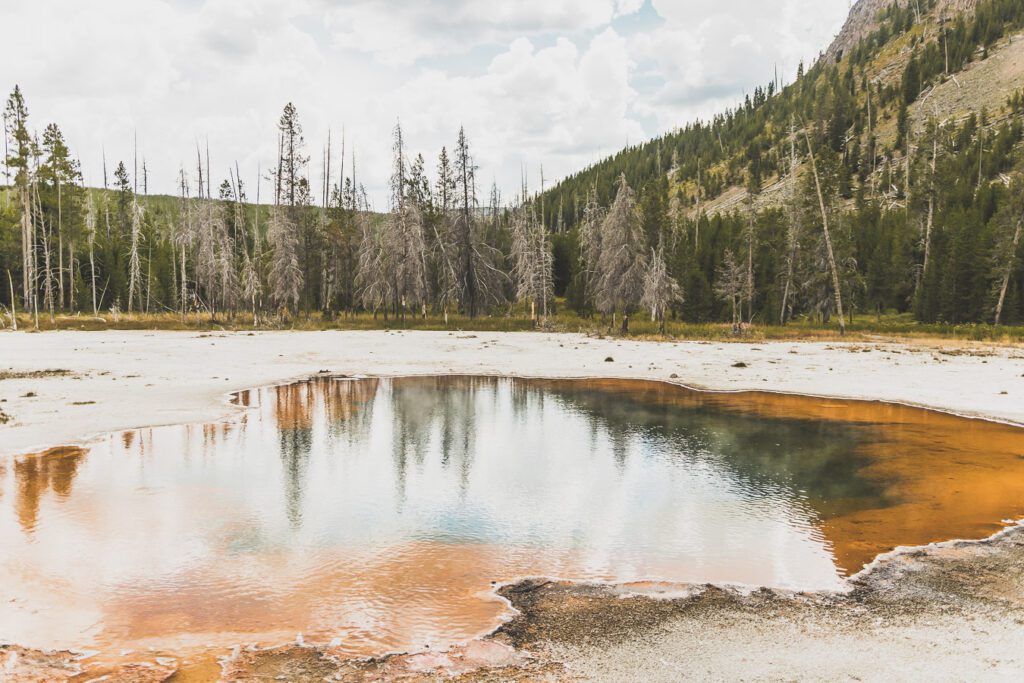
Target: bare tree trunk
x,y
47,268
92,270
174,271
27,248
828,238
71,276
14,305
793,241
750,268
134,266
906,162
871,141
1008,269
149,275
785,292
696,225
60,247
931,214
184,283
48,278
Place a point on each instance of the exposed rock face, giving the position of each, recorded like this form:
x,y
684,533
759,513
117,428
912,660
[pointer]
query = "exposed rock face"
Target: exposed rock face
x,y
863,20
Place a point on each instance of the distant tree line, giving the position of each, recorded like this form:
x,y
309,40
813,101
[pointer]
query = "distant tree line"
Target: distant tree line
x,y
869,214
925,215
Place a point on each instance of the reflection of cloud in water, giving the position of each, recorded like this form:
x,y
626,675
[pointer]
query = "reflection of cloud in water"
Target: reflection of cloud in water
x,y
379,510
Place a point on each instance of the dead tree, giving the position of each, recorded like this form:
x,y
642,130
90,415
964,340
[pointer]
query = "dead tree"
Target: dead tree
x,y
372,281
623,261
90,228
931,194
828,238
794,228
532,261
729,283
481,281
660,289
134,264
285,273
590,241
1007,248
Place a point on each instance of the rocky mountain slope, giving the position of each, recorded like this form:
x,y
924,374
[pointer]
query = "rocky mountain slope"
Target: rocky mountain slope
x,y
864,19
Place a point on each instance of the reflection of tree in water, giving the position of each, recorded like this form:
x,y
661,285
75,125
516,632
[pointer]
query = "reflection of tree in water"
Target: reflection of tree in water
x,y
447,405
243,398
347,409
293,409
816,460
530,395
348,405
54,470
526,399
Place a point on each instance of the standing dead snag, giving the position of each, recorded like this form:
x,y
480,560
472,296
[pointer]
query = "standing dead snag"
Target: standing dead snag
x,y
134,265
291,194
590,241
730,280
466,180
750,235
19,157
930,193
90,228
479,280
14,309
660,289
403,239
828,238
285,273
392,266
532,261
794,228
623,259
1007,248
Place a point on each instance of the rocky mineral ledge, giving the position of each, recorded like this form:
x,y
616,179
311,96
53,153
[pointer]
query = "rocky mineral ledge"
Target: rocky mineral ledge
x,y
949,611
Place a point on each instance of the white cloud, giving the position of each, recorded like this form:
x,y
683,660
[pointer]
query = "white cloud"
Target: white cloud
x,y
558,82
708,52
399,32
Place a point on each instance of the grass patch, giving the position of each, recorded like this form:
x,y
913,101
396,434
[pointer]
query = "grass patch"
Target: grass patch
x,y
861,328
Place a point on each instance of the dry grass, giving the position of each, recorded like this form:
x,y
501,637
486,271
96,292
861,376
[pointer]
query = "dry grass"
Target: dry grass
x,y
861,328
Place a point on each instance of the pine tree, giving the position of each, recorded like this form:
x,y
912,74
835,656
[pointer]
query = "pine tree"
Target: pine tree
x,y
20,152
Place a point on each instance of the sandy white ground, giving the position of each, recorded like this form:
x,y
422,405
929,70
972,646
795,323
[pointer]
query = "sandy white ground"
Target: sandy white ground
x,y
970,627
123,380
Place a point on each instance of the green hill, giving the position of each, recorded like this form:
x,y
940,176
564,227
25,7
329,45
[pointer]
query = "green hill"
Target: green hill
x,y
894,91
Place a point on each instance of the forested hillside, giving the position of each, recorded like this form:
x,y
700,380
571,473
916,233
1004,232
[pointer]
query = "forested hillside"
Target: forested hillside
x,y
889,177
921,189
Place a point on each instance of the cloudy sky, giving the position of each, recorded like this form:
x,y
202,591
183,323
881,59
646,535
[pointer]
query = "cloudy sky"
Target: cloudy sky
x,y
555,82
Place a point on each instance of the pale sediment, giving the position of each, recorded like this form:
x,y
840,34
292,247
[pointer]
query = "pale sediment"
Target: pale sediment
x,y
949,611
945,612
